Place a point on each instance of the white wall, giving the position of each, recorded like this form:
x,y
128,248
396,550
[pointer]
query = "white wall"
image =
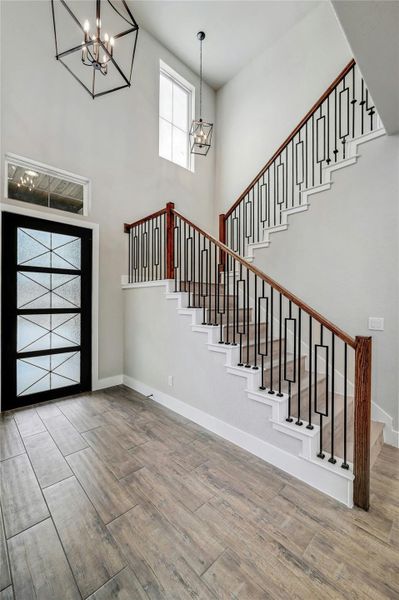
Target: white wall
x,y
261,105
341,257
113,140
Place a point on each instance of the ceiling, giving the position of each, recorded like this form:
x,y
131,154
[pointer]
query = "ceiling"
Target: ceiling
x,y
236,30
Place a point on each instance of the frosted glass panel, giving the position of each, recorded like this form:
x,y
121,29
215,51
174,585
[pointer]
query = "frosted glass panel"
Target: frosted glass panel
x,y
43,249
48,372
165,139
180,107
180,149
39,332
47,290
165,97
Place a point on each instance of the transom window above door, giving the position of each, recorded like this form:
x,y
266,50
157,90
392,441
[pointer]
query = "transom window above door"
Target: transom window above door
x,y
176,107
37,183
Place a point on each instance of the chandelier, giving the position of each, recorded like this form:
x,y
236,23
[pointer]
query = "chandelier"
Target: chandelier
x,y
96,42
201,131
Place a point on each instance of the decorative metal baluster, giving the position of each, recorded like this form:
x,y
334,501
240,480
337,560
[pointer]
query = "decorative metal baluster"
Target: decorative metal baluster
x,y
316,383
353,101
271,391
246,317
345,464
291,379
233,263
298,421
332,459
257,317
280,342
240,329
263,353
226,307
309,425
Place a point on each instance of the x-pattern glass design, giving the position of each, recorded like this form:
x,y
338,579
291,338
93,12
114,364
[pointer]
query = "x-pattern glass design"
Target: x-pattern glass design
x,y
40,373
47,290
41,331
45,249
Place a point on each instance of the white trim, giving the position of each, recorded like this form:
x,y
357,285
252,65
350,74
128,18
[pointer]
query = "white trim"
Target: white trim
x,y
108,382
175,77
391,436
29,163
325,480
51,216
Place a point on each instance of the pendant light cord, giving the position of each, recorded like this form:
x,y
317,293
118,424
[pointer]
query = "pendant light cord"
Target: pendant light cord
x,y
200,110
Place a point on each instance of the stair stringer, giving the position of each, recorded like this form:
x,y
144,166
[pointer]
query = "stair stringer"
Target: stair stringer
x,y
351,159
321,474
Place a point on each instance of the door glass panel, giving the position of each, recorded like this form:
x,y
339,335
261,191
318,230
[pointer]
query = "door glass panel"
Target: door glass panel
x,y
43,249
38,332
41,373
47,290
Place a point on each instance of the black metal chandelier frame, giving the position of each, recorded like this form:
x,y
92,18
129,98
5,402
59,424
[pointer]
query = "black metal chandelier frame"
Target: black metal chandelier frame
x,y
89,44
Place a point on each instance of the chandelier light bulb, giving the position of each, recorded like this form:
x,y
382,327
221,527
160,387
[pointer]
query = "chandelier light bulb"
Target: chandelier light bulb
x,y
86,26
106,38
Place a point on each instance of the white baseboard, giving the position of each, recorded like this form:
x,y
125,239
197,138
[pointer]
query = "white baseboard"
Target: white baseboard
x,y
391,436
328,482
107,382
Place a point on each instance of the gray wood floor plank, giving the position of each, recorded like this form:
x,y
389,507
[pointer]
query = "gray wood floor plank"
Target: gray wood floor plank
x,y
22,500
201,548
28,422
128,435
165,560
46,411
10,440
65,435
7,594
110,498
91,551
124,586
83,419
39,566
228,580
105,443
5,576
184,485
209,519
47,461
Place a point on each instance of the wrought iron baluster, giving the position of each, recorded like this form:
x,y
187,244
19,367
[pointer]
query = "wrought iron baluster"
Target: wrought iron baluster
x,y
332,459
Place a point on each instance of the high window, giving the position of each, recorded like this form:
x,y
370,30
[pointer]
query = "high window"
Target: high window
x,y
36,183
176,107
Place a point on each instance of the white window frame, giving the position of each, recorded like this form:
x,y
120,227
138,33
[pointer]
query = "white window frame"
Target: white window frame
x,y
34,165
190,89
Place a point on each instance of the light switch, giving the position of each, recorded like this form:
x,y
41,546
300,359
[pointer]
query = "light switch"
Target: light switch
x,y
376,323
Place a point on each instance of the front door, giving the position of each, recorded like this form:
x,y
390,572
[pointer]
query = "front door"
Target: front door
x,y
46,310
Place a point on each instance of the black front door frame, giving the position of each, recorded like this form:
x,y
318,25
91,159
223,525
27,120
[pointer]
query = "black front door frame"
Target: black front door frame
x,y
10,222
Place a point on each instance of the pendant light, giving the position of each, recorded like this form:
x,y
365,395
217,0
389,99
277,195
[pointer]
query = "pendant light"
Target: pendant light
x,y
201,131
96,42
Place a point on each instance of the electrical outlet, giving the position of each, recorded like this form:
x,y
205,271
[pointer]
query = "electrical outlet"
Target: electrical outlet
x,y
170,380
376,323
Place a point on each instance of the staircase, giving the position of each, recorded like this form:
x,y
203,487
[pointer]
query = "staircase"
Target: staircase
x,y
314,378
326,139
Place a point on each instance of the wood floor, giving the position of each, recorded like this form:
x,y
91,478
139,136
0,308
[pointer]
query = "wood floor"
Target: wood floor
x,y
110,496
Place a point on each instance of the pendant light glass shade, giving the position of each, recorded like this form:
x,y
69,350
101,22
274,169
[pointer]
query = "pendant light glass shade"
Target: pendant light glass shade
x,y
96,42
201,131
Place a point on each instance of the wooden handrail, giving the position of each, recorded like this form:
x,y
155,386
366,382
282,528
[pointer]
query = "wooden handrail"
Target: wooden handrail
x,y
127,226
275,285
320,101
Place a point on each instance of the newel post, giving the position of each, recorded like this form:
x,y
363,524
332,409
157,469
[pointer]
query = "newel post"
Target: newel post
x,y
222,238
170,247
361,489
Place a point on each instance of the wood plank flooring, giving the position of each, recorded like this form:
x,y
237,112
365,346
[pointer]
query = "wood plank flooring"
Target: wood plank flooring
x,y
109,496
